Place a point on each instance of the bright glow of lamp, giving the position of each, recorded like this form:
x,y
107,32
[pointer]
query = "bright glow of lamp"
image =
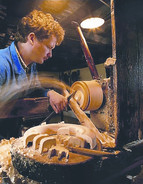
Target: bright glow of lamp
x,y
92,23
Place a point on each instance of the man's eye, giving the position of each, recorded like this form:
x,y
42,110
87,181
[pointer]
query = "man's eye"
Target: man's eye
x,y
48,47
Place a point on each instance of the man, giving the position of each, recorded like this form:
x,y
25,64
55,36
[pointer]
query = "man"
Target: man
x,y
37,35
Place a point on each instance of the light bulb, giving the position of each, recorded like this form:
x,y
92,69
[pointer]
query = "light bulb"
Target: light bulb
x,y
92,23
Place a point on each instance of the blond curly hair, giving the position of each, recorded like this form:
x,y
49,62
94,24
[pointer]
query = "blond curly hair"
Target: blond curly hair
x,y
42,24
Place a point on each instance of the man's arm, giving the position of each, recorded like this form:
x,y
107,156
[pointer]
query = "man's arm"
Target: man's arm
x,y
57,101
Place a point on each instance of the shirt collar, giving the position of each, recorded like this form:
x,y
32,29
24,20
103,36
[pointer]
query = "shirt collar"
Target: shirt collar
x,y
18,65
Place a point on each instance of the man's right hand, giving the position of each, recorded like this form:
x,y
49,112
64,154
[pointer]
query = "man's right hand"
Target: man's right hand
x,y
57,101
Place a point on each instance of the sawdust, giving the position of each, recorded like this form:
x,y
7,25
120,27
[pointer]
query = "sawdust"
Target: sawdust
x,y
7,172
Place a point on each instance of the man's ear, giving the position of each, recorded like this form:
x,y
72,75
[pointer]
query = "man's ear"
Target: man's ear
x,y
31,38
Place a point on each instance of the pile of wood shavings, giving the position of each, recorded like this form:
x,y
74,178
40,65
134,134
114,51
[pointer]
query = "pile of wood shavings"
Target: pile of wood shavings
x,y
5,158
6,165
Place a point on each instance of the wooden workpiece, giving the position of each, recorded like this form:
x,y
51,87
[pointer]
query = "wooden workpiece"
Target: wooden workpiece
x,y
41,168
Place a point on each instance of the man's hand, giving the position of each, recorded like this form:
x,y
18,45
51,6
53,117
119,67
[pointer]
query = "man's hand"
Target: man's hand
x,y
57,101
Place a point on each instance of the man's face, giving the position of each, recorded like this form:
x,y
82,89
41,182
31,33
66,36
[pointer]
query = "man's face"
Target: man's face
x,y
42,50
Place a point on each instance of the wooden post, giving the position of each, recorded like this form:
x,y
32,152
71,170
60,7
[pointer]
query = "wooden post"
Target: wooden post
x,y
114,70
129,55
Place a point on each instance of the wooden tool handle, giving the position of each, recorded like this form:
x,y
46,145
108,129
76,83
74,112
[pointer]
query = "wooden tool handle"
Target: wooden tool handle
x,y
86,52
90,152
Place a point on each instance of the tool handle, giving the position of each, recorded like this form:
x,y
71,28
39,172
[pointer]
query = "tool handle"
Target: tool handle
x,y
86,51
90,152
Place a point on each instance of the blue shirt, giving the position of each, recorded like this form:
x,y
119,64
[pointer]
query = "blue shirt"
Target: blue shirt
x,y
12,74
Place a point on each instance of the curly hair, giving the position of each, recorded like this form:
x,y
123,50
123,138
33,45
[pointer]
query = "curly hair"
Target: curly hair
x,y
42,24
